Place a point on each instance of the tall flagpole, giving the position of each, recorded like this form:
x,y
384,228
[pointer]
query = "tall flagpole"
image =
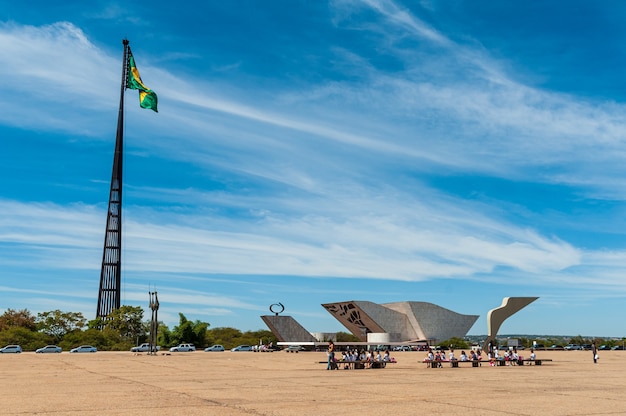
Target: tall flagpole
x,y
110,274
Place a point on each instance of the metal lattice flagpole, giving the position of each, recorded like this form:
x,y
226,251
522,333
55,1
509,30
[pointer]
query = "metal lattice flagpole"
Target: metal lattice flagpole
x,y
110,274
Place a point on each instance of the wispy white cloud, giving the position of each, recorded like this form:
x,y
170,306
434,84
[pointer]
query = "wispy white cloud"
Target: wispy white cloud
x,y
480,111
169,293
318,182
470,119
406,20
117,12
345,245
53,73
414,243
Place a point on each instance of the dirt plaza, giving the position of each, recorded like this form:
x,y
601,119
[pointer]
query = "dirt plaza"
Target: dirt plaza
x,y
287,384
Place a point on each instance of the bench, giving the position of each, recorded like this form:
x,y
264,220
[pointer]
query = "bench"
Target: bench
x,y
536,361
359,365
453,363
477,363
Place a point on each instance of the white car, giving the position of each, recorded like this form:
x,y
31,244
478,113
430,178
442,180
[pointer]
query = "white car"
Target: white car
x,y
242,348
48,348
145,347
183,348
402,348
11,349
84,348
214,348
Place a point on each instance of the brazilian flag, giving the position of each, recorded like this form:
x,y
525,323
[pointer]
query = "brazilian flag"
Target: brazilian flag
x,y
147,97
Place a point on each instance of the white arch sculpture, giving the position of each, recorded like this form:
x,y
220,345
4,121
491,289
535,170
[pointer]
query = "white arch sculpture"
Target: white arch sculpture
x,y
497,316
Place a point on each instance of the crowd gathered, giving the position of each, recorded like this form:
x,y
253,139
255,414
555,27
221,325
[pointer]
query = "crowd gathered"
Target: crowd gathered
x,y
354,358
509,356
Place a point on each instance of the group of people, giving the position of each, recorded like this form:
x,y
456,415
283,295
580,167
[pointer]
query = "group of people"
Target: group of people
x,y
440,356
365,359
509,357
263,347
370,359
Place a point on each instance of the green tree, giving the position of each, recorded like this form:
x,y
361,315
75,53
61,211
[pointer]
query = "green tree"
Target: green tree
x,y
346,337
57,323
101,339
579,340
190,332
126,321
164,335
22,318
525,342
24,337
455,343
553,341
226,336
262,336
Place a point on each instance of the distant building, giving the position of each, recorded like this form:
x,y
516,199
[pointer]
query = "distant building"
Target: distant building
x,y
285,328
402,321
396,322
325,336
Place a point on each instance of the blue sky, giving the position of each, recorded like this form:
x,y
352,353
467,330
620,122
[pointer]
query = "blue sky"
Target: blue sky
x,y
305,152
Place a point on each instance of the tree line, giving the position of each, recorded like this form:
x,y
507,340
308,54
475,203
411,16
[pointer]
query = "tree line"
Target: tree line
x,y
122,329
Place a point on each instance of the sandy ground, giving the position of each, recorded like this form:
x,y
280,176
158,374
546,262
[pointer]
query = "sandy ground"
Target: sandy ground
x,y
280,383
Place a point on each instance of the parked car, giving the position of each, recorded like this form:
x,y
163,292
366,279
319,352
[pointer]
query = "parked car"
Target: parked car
x,y
604,347
557,347
183,348
214,348
242,348
48,348
382,348
618,347
402,348
294,348
84,348
572,347
145,347
11,349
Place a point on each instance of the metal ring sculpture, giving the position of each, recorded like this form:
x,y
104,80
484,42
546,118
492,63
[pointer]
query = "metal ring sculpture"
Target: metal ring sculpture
x,y
282,308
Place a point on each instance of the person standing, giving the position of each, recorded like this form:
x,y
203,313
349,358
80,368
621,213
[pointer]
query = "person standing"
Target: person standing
x,y
594,350
331,356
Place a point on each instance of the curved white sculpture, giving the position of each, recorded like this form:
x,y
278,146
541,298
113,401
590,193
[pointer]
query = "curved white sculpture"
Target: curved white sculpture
x,y
497,316
403,321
